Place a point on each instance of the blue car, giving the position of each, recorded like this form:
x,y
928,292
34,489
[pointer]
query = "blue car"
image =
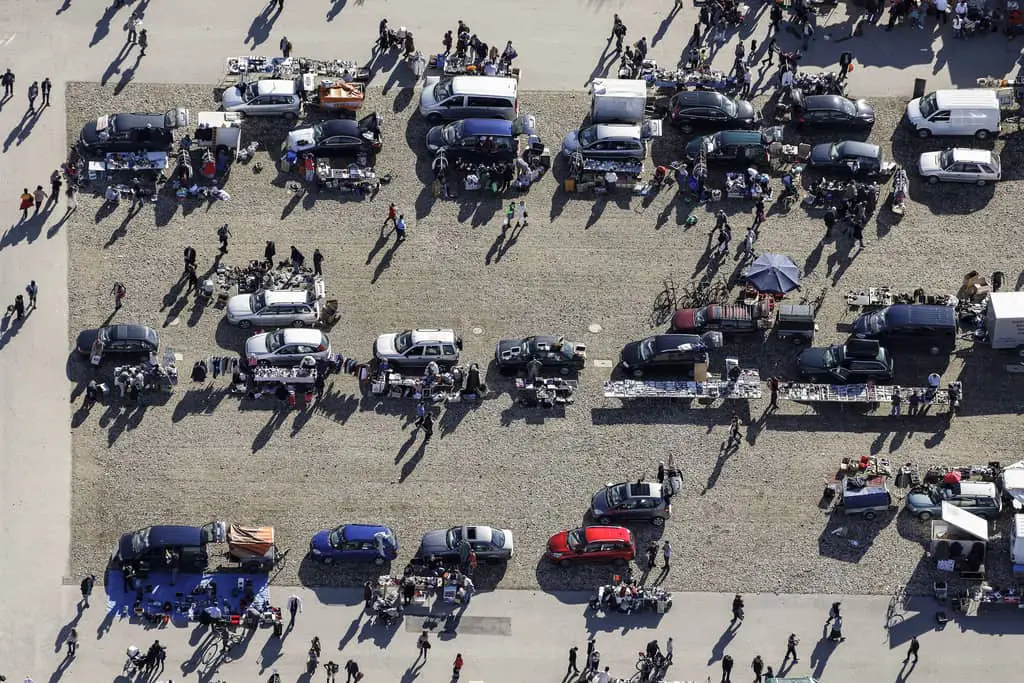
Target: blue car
x,y
354,543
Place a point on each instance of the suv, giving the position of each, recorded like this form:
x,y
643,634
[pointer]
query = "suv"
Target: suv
x,y
636,502
910,326
415,349
856,362
149,548
267,97
273,309
743,147
480,139
977,497
132,132
711,110
831,111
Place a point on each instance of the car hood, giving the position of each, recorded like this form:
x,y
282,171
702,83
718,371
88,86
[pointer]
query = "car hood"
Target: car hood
x,y
434,542
599,502
811,360
559,542
321,541
239,305
929,162
919,500
822,154
914,110
435,140
427,100
256,345
385,344
630,355
683,320
85,340
692,149
232,97
571,142
860,325
864,110
90,132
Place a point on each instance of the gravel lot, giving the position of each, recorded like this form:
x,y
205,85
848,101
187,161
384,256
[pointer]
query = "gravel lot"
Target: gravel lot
x,y
749,522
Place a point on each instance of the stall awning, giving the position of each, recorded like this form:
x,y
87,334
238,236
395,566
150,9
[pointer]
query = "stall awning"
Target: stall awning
x,y
968,522
1013,482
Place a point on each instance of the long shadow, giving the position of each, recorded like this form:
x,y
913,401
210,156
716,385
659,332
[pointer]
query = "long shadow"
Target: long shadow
x,y
410,465
273,424
115,64
385,262
29,124
127,75
261,26
718,651
15,133
663,26
336,7
102,24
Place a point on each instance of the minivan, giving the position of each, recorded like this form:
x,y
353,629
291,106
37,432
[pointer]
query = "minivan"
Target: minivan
x,y
910,327
465,97
972,111
480,139
743,147
981,498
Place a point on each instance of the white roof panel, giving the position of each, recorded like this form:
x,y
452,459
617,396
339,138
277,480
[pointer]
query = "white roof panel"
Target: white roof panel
x,y
967,522
1007,304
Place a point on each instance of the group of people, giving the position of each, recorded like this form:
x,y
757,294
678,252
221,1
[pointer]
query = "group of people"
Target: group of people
x,y
470,48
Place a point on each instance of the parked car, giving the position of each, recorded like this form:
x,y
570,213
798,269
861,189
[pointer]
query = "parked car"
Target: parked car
x,y
831,111
265,97
513,355
132,132
848,157
855,362
119,339
354,543
911,327
273,309
978,166
147,549
591,544
639,501
981,498
795,322
705,109
667,352
338,137
481,139
612,141
451,98
415,349
740,148
488,543
728,319
288,346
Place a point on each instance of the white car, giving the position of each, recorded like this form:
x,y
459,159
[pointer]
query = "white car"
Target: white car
x,y
267,97
288,346
274,309
415,349
979,166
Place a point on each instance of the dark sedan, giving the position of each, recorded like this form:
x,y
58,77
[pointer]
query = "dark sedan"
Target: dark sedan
x,y
513,355
848,157
857,362
487,542
338,137
743,147
120,339
151,548
667,353
132,132
832,111
707,110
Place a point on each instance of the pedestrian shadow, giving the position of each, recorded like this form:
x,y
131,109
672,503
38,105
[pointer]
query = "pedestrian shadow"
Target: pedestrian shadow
x,y
61,668
718,651
273,424
102,24
663,26
385,262
55,228
28,124
261,26
127,75
64,8
823,649
65,630
115,64
15,133
336,7
410,465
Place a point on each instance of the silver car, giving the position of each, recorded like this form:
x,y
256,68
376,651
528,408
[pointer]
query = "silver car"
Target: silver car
x,y
274,309
288,346
266,97
979,166
611,141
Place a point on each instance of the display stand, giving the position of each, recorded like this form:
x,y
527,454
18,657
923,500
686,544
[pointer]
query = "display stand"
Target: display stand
x,y
746,387
135,161
870,298
859,393
277,375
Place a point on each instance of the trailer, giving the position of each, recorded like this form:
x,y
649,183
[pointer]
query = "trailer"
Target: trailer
x,y
1005,320
618,100
219,129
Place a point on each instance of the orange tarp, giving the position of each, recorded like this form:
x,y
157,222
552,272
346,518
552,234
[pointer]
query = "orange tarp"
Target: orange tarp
x,y
251,540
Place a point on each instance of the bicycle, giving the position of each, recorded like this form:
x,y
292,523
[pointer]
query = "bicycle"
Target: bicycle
x,y
894,614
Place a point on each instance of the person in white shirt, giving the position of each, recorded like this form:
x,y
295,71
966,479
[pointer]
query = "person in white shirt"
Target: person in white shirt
x,y
787,79
941,8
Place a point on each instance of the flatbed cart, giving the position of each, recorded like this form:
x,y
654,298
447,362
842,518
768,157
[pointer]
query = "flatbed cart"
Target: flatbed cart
x,y
253,547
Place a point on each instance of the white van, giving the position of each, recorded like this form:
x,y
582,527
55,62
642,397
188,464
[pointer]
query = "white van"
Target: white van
x,y
469,97
972,111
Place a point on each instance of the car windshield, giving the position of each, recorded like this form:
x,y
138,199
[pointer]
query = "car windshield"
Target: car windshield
x,y
700,316
258,301
452,133
384,539
946,159
403,342
647,348
275,341
574,539
442,91
874,322
497,538
830,357
846,106
728,106
336,537
588,136
928,105
140,541
616,494
833,152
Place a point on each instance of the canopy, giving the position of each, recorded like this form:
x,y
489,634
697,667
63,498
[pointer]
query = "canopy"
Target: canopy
x,y
773,273
967,522
253,541
951,477
1013,483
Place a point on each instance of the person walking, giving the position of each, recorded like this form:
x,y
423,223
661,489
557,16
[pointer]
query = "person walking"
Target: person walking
x,y
294,608
858,232
32,290
297,258
39,196
8,82
132,26
833,613
72,198
737,609
286,47
26,203
46,87
758,666
19,310
521,214
189,256
912,650
791,644
143,42
669,645
400,230
269,252
769,58
351,671
573,669
33,93
510,212
773,386
428,427
592,643
896,400
666,552
191,277
775,16
619,31
423,645
55,184
72,642
86,587
392,216
727,669
457,666
734,429
447,42
836,634
119,291
223,233
318,262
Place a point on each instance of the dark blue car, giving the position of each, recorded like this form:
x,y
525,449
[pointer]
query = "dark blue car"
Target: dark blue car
x,y
354,543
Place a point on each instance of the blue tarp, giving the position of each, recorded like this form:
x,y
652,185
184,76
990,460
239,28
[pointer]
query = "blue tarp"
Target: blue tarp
x,y
156,590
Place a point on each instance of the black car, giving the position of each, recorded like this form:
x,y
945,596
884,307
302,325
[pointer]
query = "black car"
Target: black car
x,y
154,547
120,339
848,157
702,109
338,137
132,132
668,353
513,355
741,148
831,111
855,362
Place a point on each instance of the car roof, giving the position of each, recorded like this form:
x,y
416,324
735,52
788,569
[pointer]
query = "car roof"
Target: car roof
x,y
700,97
484,534
486,126
970,97
124,332
606,533
433,335
979,156
484,85
133,121
643,489
668,342
919,314
861,149
334,127
977,487
175,535
362,533
273,86
302,335
286,296
617,130
823,101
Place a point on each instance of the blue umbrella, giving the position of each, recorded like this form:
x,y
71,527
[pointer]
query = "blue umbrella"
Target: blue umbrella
x,y
773,273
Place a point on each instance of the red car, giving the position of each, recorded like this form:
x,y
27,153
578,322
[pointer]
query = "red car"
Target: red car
x,y
727,319
592,544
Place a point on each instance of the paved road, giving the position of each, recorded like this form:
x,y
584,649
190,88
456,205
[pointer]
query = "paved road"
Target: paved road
x,y
189,40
